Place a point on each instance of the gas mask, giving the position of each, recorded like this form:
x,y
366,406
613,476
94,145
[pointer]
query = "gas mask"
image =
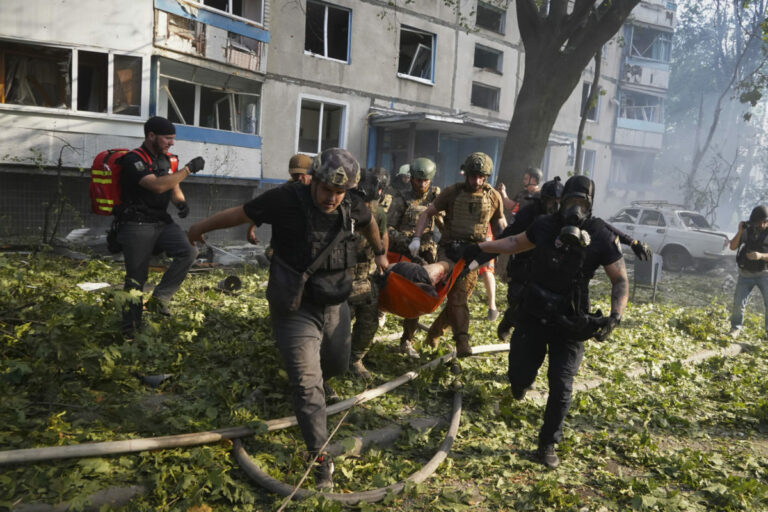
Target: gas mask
x,y
574,214
573,236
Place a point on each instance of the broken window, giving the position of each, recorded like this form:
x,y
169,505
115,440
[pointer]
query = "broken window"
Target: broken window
x,y
416,54
92,81
594,109
490,17
321,126
250,9
35,75
208,107
43,76
647,43
632,168
126,97
643,107
327,31
485,96
488,58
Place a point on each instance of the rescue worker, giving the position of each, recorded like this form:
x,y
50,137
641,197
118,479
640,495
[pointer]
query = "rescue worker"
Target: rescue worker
x,y
553,316
148,183
298,166
751,241
385,199
364,299
518,266
531,179
468,207
310,319
405,211
402,181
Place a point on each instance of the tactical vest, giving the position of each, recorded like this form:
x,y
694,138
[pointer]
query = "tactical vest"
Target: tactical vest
x,y
755,242
415,207
471,215
332,282
385,202
366,263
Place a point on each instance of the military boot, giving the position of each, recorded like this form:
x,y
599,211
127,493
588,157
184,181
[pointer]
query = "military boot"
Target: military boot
x,y
359,370
324,472
462,347
548,456
406,347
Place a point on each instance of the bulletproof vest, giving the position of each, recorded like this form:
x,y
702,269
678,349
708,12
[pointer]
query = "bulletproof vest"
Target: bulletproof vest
x,y
321,229
471,214
755,241
416,206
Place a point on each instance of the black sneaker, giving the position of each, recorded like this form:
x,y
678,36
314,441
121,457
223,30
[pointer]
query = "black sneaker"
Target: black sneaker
x,y
324,472
548,456
520,394
156,305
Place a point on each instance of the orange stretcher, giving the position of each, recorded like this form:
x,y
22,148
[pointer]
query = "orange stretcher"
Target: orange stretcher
x,y
404,298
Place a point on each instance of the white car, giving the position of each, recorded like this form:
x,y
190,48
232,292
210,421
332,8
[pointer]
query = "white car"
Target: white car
x,y
684,238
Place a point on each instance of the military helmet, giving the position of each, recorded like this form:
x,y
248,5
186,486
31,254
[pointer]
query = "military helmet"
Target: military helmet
x,y
423,169
369,185
404,169
579,186
759,214
336,167
534,172
552,189
381,175
478,163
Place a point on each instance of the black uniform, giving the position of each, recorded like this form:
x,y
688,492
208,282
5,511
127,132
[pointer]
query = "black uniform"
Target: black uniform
x,y
314,341
558,286
146,228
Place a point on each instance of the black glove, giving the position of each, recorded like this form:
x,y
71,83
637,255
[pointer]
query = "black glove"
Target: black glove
x,y
641,249
606,325
196,164
183,208
470,252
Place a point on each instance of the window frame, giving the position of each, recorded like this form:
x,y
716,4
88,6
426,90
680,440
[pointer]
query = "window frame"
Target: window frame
x,y
481,85
73,82
325,32
231,98
323,101
643,216
499,70
431,80
200,5
588,172
502,16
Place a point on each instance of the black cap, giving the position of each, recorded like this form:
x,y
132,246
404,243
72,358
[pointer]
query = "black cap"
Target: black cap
x,y
159,126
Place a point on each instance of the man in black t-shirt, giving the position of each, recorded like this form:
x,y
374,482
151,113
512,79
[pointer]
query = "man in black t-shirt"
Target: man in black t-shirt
x,y
313,340
148,182
553,316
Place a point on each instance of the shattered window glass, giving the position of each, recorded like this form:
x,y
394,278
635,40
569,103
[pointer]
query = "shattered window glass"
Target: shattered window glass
x,y
416,53
127,86
36,75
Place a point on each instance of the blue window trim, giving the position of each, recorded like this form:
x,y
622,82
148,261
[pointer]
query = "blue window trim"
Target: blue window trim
x,y
217,20
209,135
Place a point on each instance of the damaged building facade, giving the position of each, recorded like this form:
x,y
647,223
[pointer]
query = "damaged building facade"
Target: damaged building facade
x,y
251,82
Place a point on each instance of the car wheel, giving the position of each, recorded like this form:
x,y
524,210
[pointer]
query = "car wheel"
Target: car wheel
x,y
675,258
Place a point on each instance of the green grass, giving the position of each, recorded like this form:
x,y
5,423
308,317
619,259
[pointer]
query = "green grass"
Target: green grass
x,y
680,437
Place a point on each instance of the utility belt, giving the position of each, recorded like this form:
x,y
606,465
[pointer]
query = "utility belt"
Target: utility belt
x,y
139,213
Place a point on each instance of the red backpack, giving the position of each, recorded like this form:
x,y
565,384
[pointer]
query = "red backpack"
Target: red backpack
x,y
105,177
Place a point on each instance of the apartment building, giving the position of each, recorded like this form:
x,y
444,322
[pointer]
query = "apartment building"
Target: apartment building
x,y
251,82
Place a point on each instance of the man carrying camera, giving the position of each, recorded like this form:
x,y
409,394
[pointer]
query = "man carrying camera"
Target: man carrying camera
x,y
553,317
752,259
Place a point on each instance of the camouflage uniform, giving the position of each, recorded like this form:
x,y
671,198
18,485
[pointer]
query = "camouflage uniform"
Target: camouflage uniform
x,y
364,299
466,221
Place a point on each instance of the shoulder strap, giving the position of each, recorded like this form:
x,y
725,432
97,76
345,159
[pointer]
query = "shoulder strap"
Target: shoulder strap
x,y
144,156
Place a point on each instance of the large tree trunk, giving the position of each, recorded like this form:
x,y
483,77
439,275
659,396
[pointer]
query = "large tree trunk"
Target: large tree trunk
x,y
558,46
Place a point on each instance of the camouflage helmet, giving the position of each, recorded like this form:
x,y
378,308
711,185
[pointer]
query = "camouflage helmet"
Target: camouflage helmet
x,y
336,167
423,169
478,163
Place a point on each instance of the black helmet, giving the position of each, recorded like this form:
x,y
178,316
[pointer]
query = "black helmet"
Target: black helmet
x,y
371,183
759,214
534,172
552,189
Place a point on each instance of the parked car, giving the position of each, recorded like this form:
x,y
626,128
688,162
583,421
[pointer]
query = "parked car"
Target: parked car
x,y
684,238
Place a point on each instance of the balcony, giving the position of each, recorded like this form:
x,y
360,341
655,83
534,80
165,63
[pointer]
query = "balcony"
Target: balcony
x,y
659,13
213,34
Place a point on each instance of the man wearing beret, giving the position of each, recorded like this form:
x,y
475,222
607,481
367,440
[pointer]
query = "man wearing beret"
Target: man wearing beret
x,y
149,181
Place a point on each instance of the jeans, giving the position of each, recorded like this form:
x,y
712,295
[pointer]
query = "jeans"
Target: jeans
x,y
314,343
744,286
140,240
527,348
